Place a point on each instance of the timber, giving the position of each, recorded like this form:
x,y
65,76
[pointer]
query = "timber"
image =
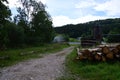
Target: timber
x,y
104,53
105,50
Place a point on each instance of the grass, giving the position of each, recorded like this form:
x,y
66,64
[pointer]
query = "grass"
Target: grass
x,y
14,56
87,70
73,40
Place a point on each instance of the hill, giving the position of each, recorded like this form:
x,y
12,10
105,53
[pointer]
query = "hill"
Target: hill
x,y
108,26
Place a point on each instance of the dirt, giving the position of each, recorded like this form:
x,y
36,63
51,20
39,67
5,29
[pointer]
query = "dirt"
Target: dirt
x,y
47,68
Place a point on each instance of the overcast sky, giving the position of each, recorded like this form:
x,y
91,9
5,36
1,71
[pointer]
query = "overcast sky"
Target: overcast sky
x,y
77,11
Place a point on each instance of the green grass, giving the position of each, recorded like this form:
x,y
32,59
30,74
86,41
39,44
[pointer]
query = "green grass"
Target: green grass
x,y
87,70
73,40
14,55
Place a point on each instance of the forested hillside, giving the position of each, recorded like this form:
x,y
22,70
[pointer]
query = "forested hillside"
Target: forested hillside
x,y
108,26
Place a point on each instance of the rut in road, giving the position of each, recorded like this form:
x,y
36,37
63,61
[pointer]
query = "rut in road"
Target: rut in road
x,y
47,68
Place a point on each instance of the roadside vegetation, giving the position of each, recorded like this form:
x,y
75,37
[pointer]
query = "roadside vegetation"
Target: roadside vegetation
x,y
28,27
73,40
13,56
86,70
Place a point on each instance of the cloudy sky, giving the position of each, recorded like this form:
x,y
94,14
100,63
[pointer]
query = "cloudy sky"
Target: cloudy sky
x,y
77,11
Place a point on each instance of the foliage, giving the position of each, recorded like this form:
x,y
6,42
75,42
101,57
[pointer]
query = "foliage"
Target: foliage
x,y
108,26
42,27
4,12
4,16
32,25
73,31
36,22
114,35
15,35
3,37
21,20
114,38
73,40
105,39
11,36
66,37
87,70
31,7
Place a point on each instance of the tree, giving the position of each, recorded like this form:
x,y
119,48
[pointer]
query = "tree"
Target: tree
x,y
4,16
15,35
21,20
42,26
39,21
114,35
5,12
86,29
31,7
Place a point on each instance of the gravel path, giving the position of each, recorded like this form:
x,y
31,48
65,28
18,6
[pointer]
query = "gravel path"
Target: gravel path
x,y
47,68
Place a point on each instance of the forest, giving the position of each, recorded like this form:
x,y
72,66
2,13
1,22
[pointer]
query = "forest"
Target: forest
x,y
32,25
110,29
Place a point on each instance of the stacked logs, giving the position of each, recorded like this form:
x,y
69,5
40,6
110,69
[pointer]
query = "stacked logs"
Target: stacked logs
x,y
104,53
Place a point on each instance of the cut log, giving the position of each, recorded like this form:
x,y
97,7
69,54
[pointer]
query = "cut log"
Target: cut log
x,y
110,55
98,56
105,53
78,52
103,58
118,47
80,55
105,50
86,53
115,51
95,49
91,58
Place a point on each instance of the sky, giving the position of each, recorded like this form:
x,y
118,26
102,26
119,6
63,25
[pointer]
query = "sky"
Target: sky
x,y
77,11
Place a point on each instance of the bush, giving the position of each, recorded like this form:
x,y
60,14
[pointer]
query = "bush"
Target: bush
x,y
15,35
113,38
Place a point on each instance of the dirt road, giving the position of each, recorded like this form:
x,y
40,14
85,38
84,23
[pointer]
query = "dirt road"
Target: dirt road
x,y
47,68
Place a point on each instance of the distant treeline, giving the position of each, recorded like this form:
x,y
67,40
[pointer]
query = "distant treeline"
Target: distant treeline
x,y
108,26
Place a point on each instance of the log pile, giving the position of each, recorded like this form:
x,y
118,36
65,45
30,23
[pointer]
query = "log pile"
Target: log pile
x,y
104,53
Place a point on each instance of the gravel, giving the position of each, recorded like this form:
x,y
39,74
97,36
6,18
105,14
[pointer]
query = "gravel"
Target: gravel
x,y
49,67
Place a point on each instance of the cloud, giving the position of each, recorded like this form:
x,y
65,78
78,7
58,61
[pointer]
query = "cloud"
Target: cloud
x,y
63,20
111,7
85,4
86,7
78,11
